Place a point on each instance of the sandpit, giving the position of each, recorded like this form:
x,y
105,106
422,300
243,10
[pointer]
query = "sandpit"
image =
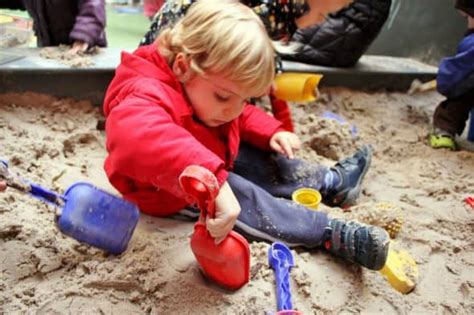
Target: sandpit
x,y
54,142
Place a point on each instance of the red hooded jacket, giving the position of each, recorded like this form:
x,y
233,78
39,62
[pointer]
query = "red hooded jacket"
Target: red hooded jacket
x,y
152,135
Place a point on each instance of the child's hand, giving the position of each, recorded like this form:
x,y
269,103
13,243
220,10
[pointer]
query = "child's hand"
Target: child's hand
x,y
285,142
227,211
78,46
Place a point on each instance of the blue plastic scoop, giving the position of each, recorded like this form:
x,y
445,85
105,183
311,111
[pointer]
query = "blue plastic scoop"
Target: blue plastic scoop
x,y
281,260
85,213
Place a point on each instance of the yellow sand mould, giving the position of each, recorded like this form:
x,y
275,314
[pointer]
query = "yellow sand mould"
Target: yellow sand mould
x,y
297,87
400,270
384,214
392,219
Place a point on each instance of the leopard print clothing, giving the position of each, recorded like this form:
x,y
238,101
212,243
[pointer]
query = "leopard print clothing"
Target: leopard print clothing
x,y
277,15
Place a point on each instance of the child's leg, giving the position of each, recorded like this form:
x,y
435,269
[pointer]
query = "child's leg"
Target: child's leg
x,y
277,174
451,115
268,218
265,217
339,185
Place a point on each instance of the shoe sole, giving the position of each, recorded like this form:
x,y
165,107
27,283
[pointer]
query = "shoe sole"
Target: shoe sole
x,y
380,253
354,193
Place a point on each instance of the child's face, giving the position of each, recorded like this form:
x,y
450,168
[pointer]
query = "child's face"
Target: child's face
x,y
215,99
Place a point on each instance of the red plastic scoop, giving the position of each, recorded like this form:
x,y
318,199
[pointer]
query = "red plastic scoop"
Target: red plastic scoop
x,y
227,264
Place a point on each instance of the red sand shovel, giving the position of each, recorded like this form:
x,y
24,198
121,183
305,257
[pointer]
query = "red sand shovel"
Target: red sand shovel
x,y
228,263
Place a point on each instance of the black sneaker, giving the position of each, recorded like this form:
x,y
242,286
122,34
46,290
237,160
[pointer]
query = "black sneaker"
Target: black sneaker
x,y
351,171
364,244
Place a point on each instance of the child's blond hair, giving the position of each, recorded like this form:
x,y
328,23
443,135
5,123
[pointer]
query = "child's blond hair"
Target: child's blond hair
x,y
223,37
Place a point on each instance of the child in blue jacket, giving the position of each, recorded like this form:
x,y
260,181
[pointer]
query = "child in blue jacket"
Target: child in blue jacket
x,y
455,80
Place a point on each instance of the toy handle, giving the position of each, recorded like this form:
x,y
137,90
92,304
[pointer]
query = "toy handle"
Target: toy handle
x,y
204,197
33,189
282,275
201,185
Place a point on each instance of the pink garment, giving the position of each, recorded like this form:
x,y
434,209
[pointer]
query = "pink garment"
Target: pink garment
x,y
150,7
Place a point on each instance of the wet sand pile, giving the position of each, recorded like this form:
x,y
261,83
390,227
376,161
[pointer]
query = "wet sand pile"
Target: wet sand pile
x,y
54,142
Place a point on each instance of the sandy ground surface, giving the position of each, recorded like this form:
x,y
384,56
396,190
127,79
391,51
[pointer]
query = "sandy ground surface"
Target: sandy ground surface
x,y
55,143
60,54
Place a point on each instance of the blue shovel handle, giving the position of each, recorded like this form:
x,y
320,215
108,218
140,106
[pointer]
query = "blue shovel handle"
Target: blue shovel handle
x,y
33,189
46,195
281,260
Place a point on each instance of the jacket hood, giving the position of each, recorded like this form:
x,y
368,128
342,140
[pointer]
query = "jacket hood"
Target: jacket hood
x,y
144,64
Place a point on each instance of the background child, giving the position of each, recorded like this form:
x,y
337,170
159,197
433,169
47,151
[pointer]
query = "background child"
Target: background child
x,y
455,80
182,101
150,7
79,23
278,16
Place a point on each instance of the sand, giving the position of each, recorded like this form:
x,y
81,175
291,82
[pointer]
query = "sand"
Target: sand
x,y
54,142
60,54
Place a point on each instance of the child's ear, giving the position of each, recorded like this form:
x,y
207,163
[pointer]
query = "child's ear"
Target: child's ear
x,y
181,67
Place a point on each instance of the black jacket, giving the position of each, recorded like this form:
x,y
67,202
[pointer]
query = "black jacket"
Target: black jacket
x,y
345,35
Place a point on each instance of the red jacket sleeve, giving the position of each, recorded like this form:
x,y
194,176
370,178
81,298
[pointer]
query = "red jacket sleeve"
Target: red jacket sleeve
x,y
257,127
145,144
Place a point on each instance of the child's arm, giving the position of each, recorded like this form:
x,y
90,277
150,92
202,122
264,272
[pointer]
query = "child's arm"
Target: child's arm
x,y
257,127
265,132
90,22
456,74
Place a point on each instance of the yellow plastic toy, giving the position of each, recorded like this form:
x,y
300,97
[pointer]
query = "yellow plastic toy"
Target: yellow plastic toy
x,y
297,87
417,86
384,214
389,217
307,197
400,270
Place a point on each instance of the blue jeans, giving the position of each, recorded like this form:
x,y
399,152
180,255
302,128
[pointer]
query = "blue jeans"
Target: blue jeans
x,y
263,183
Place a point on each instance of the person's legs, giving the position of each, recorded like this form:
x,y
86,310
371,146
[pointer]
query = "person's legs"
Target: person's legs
x,y
451,115
264,217
450,119
280,176
276,174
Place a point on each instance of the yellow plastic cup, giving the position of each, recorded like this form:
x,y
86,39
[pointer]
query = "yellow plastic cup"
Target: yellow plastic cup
x,y
308,197
297,87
